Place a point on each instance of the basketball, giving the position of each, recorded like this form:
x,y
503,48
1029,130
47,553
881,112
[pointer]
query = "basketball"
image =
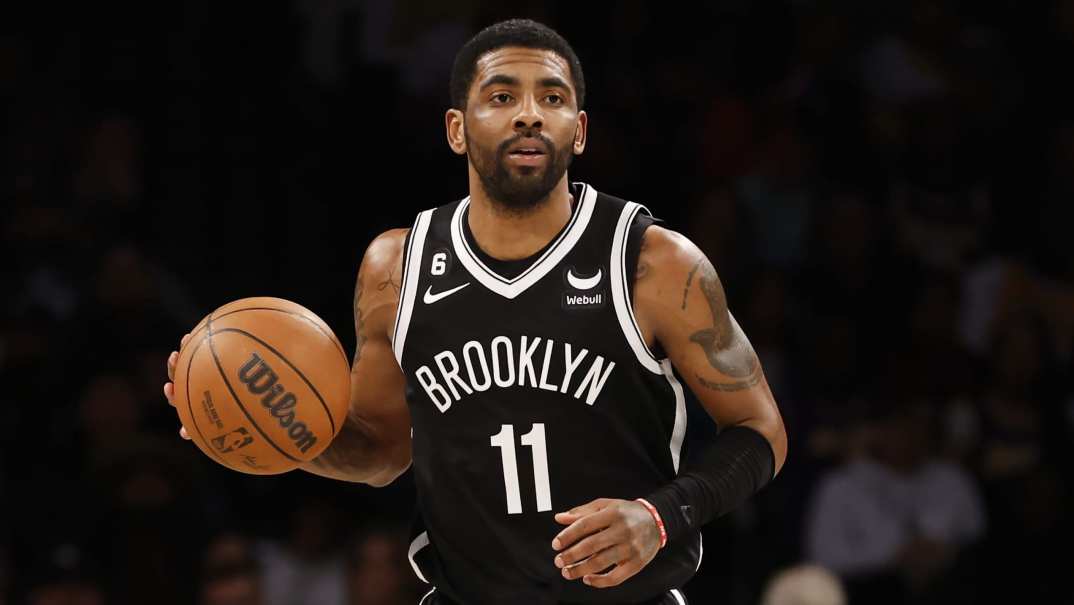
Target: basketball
x,y
262,385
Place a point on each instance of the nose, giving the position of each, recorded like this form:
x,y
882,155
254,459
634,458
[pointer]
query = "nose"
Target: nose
x,y
528,115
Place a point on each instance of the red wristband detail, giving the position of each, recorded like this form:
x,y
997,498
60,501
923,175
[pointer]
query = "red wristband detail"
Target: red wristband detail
x,y
656,517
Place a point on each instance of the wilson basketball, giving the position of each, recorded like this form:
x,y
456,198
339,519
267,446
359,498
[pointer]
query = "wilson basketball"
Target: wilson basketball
x,y
262,385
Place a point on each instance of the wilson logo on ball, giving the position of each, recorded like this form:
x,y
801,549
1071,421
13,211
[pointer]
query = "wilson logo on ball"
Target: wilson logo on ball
x,y
260,379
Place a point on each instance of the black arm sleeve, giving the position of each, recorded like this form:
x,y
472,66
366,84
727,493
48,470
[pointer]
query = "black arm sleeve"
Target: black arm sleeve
x,y
733,467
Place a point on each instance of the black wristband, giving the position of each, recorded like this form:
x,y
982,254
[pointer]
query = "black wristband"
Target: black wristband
x,y
733,467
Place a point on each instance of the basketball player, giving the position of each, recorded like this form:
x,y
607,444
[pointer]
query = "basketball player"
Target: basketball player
x,y
526,349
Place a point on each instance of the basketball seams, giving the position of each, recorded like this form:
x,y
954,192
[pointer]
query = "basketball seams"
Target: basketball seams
x,y
321,329
197,330
190,405
331,420
235,396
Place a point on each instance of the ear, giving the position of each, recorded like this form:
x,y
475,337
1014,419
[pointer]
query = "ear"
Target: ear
x,y
580,133
455,122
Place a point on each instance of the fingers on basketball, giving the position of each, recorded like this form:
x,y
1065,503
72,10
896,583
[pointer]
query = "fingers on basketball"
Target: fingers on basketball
x,y
261,386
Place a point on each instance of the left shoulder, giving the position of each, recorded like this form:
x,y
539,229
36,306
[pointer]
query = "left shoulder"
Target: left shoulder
x,y
676,288
670,251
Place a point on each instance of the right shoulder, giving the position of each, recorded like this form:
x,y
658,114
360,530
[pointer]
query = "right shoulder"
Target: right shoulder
x,y
384,255
380,276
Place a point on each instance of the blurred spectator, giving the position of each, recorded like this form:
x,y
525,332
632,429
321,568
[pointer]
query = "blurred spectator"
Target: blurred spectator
x,y
67,578
727,137
846,269
894,521
1021,438
109,416
929,360
66,593
1012,407
940,204
994,288
132,293
722,228
829,377
912,63
307,566
804,585
822,85
109,178
767,315
230,574
779,195
378,572
148,524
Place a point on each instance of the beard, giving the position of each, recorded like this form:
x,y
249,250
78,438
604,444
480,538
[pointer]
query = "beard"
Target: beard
x,y
519,191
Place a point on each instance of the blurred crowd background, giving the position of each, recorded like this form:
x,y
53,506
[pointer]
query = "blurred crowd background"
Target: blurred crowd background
x,y
886,188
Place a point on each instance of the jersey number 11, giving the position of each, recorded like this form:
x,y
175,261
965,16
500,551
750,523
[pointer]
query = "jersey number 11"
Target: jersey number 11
x,y
505,440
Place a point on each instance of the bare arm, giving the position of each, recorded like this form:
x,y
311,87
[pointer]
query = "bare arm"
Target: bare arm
x,y
679,302
374,444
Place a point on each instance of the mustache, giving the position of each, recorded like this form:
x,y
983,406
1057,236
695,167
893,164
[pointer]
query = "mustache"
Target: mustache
x,y
544,141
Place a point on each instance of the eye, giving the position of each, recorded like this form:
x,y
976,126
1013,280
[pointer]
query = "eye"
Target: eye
x,y
501,97
555,99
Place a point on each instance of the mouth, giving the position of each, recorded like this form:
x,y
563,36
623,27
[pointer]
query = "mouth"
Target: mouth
x,y
526,151
526,154
527,146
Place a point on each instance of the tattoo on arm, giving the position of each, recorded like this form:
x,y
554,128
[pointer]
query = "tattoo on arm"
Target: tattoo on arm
x,y
725,346
729,387
347,452
689,279
390,282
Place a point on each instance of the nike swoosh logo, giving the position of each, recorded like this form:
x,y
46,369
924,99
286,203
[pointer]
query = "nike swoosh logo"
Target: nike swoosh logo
x,y
580,283
430,298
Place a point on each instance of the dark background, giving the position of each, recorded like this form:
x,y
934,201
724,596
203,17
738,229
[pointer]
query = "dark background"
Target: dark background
x,y
885,187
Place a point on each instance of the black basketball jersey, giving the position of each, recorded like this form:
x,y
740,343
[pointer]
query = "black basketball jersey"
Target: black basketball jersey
x,y
529,395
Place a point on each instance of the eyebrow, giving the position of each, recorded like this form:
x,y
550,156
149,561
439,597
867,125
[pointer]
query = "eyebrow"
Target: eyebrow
x,y
553,82
499,79
550,82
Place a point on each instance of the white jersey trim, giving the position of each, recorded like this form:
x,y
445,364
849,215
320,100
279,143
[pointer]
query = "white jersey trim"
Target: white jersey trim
x,y
624,311
422,601
675,593
420,542
408,292
678,431
511,288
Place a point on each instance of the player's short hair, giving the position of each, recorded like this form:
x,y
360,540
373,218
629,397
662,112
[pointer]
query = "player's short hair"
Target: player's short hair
x,y
525,33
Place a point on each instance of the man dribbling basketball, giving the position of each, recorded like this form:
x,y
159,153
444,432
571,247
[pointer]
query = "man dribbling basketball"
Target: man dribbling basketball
x,y
528,366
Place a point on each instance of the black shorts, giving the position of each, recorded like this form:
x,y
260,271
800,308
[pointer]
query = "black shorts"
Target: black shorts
x,y
673,597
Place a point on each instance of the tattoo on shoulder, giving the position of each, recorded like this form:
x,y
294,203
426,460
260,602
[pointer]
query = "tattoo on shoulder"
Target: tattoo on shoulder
x,y
727,349
689,280
390,281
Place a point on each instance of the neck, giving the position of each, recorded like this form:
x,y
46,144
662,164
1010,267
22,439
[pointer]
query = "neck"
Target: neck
x,y
508,235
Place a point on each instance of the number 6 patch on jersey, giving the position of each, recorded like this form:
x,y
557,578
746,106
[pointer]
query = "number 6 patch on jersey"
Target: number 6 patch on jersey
x,y
441,262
